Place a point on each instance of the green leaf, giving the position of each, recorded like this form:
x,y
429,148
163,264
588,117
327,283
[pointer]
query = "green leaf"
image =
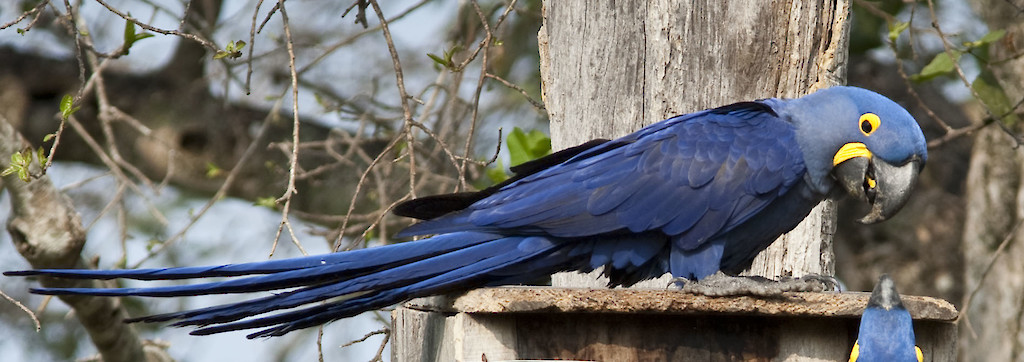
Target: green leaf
x,y
268,202
992,95
232,50
212,171
9,170
41,156
19,164
49,137
895,29
66,106
496,173
440,61
129,34
942,64
517,147
989,38
523,147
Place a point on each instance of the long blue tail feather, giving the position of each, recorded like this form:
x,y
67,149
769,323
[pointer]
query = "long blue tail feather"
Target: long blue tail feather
x,y
377,257
390,278
529,249
369,280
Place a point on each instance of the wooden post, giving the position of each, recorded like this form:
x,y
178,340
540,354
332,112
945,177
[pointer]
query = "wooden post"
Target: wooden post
x,y
609,69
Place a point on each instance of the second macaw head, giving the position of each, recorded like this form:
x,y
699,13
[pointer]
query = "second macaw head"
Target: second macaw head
x,y
886,330
860,140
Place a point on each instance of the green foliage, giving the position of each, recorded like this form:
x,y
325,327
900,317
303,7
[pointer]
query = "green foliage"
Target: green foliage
x,y
522,147
269,202
985,86
895,29
130,36
992,95
496,173
212,171
233,50
942,64
67,106
445,61
21,163
989,38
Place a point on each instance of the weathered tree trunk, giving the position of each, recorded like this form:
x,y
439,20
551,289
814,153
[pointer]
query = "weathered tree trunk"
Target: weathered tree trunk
x,y
995,205
609,70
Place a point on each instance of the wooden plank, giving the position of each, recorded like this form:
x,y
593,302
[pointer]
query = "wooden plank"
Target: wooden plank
x,y
583,300
509,323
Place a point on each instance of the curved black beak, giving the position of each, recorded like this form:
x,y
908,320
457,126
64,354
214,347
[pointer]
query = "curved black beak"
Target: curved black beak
x,y
885,186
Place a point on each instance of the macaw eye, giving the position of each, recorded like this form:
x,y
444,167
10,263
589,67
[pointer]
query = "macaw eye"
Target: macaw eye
x,y
869,123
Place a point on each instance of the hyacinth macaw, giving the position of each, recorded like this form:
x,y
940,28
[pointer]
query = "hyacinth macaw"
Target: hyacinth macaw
x,y
691,195
886,329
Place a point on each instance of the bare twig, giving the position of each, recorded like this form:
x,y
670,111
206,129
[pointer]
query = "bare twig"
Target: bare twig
x,y
206,43
963,316
536,104
351,39
384,331
359,185
23,308
293,161
485,44
33,11
400,81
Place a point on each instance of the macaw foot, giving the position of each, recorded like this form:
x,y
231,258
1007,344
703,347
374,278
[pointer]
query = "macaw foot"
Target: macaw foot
x,y
722,285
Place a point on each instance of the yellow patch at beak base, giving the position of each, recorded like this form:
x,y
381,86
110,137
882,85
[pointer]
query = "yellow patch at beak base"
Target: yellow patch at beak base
x,y
850,150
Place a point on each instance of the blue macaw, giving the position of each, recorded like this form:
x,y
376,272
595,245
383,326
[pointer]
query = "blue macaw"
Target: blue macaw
x,y
886,329
692,195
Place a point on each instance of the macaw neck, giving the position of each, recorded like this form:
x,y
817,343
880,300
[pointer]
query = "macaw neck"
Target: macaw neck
x,y
818,133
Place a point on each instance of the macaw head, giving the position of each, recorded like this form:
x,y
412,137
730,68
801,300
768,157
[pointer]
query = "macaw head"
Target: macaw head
x,y
886,328
862,141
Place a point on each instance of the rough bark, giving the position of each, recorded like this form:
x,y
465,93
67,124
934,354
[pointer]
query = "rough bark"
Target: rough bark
x,y
608,70
995,205
48,232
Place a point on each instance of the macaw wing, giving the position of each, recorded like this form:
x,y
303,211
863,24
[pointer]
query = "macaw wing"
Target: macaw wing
x,y
695,176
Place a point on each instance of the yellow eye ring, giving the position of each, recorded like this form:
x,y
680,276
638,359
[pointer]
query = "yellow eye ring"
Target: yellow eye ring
x,y
868,123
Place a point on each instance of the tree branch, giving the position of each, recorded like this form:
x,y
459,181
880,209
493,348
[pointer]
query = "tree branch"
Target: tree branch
x,y
47,231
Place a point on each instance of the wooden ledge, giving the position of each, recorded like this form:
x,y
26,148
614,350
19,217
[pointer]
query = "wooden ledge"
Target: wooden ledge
x,y
580,300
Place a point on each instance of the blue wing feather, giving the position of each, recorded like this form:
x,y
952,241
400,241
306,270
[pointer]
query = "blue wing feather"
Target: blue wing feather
x,y
726,157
